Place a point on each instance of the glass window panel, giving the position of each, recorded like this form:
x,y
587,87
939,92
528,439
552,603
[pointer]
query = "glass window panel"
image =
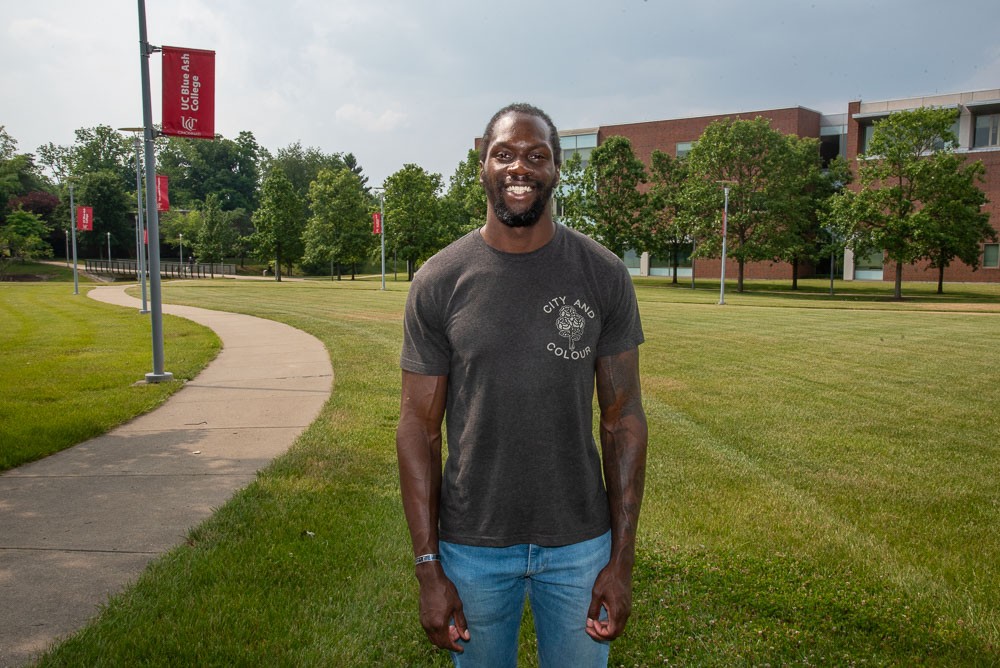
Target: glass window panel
x,y
586,141
991,256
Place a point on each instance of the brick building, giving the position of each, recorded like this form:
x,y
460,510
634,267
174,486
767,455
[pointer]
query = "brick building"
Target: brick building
x,y
978,131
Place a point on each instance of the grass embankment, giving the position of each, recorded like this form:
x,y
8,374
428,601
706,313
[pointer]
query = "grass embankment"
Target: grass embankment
x,y
71,367
821,490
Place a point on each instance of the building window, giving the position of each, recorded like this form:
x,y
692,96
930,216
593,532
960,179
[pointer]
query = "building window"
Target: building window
x,y
991,256
582,144
987,131
683,148
866,137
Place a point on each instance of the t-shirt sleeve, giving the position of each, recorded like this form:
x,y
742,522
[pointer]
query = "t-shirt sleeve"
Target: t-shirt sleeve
x,y
426,349
622,329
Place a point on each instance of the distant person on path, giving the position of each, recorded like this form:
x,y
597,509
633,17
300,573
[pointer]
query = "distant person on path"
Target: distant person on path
x,y
506,332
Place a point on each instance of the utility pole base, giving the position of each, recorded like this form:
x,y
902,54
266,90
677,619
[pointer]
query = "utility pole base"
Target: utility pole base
x,y
164,377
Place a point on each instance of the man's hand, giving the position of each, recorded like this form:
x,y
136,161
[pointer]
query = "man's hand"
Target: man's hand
x,y
613,590
441,612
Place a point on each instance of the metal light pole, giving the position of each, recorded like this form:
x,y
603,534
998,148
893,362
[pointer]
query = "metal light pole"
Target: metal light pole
x,y
725,234
67,244
109,249
140,245
72,226
381,197
145,49
180,235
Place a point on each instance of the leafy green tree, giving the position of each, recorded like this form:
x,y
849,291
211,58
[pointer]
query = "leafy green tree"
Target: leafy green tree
x,y
217,233
279,221
197,168
757,163
570,195
613,201
340,227
665,230
113,206
19,175
800,235
103,149
463,207
303,165
915,200
956,225
21,238
412,213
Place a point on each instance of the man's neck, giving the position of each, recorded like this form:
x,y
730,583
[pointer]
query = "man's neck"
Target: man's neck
x,y
517,239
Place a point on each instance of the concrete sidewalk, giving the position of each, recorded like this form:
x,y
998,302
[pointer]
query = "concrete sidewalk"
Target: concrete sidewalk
x,y
77,526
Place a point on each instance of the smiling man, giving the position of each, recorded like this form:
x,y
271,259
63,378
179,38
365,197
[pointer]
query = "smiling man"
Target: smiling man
x,y
507,332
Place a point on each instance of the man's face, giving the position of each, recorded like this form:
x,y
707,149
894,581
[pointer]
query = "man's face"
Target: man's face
x,y
519,173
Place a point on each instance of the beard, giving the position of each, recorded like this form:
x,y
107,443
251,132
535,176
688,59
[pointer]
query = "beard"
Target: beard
x,y
529,216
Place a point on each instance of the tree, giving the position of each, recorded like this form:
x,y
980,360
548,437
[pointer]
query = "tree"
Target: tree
x,y
412,214
463,207
800,236
665,229
197,167
914,202
113,206
103,149
340,226
756,163
18,173
279,222
956,225
22,238
303,165
613,202
570,195
217,233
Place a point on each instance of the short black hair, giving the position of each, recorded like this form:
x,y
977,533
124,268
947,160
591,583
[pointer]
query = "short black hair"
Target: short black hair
x,y
530,110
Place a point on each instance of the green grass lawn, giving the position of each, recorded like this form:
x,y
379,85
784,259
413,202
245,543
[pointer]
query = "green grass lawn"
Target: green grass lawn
x,y
821,490
71,366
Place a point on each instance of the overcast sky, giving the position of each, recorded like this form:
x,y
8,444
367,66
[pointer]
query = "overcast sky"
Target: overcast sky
x,y
401,81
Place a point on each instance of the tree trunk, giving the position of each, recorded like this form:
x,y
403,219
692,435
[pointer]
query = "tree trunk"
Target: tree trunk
x,y
898,290
941,279
676,261
739,274
277,266
795,273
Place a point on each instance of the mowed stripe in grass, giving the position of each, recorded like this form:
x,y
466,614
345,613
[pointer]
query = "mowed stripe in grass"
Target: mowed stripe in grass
x,y
818,493
71,367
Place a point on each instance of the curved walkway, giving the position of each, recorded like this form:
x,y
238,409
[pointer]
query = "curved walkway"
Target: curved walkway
x,y
77,526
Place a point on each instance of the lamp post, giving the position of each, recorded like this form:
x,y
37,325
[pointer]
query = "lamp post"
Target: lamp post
x,y
67,245
72,226
109,250
158,375
381,198
180,235
725,236
140,242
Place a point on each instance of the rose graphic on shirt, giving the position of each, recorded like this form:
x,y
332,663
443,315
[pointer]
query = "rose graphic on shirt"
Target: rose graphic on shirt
x,y
570,325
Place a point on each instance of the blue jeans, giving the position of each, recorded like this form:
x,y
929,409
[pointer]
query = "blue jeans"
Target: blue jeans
x,y
493,583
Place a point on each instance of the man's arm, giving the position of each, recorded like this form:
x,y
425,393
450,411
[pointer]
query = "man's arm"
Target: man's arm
x,y
418,450
623,444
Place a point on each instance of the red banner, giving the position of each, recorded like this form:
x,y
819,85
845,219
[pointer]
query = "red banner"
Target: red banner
x,y
376,223
85,218
162,195
188,92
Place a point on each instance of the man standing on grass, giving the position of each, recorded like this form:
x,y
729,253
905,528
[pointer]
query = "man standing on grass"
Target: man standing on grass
x,y
506,332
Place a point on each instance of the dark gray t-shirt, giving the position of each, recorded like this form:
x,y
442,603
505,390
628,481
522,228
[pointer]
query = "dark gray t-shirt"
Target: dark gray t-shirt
x,y
518,336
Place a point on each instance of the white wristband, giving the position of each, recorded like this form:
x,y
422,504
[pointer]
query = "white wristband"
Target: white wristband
x,y
424,558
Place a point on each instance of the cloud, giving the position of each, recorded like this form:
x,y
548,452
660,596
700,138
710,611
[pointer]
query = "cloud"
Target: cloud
x,y
366,119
